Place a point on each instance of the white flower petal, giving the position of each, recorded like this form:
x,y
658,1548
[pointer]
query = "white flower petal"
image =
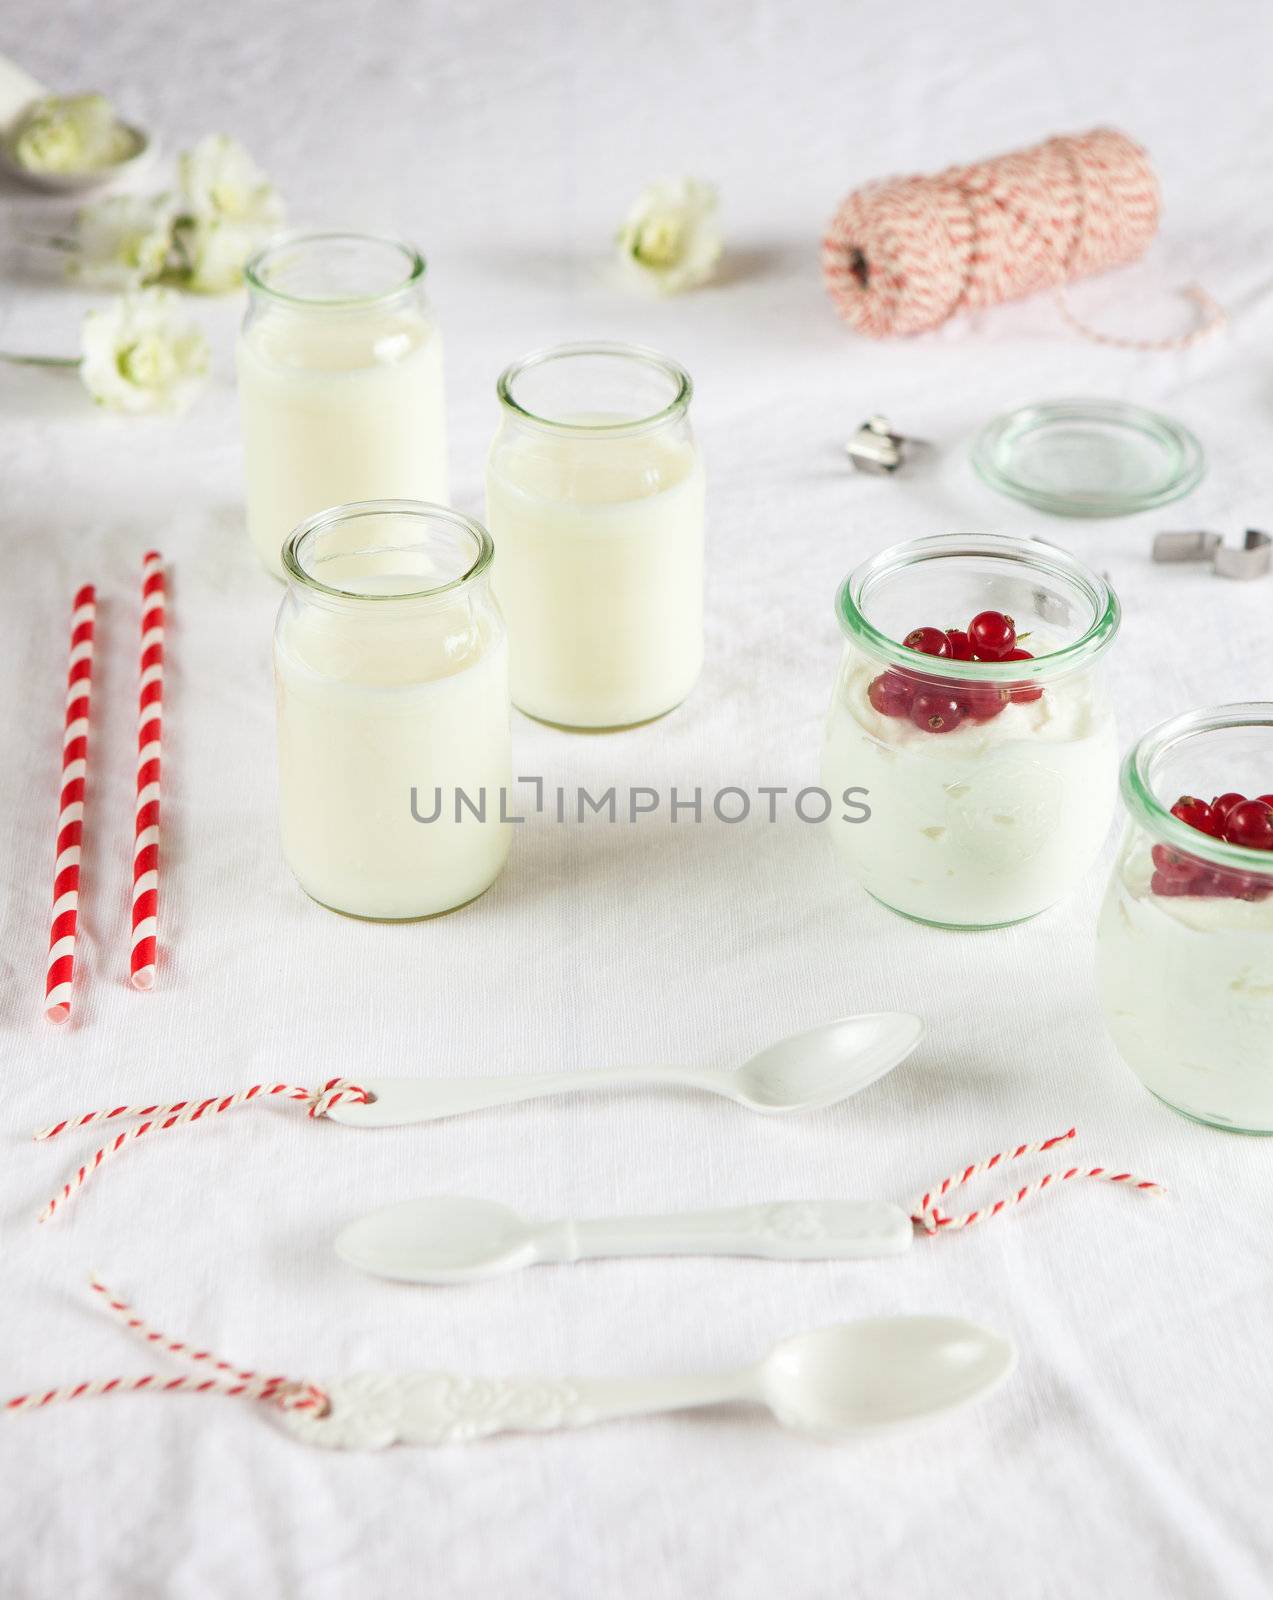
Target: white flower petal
x,y
216,251
671,238
220,180
142,354
123,242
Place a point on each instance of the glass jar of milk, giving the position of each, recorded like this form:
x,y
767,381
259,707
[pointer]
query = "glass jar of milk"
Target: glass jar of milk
x,y
391,668
594,495
340,382
971,707
1185,939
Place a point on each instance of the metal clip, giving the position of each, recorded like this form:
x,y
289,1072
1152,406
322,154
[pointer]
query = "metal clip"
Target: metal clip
x,y
876,448
1252,559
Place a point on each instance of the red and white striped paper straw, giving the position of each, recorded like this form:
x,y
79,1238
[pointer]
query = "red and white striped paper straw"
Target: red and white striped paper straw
x,y
70,811
150,711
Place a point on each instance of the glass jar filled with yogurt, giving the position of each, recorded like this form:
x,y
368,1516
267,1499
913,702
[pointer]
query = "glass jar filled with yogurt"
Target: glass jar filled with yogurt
x,y
970,706
594,494
1185,940
340,382
391,669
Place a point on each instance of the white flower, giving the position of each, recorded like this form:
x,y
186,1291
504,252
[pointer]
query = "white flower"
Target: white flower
x,y
671,237
123,242
230,209
219,179
71,134
141,354
214,252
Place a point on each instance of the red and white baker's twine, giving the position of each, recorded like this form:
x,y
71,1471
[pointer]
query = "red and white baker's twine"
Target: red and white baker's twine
x,y
150,713
215,1376
906,255
928,1213
212,1375
70,812
159,1118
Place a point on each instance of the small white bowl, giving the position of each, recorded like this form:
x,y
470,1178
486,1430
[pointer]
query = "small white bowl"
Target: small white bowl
x,y
90,178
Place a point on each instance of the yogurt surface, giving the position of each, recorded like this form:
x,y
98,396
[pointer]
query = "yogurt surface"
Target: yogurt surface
x,y
984,825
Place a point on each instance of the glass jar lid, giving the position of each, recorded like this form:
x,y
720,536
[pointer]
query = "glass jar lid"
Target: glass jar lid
x,y
1088,458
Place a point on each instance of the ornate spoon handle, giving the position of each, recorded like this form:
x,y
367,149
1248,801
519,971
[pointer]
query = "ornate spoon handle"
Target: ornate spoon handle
x,y
374,1410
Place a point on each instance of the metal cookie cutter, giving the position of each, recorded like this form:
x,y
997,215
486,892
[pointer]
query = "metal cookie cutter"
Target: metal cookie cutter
x,y
1252,559
876,448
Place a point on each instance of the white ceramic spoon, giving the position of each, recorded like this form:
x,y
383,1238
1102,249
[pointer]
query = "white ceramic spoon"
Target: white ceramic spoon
x,y
850,1378
18,89
452,1240
803,1073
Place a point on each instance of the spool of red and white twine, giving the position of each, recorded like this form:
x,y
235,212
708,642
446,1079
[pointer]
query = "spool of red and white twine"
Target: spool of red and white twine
x,y
143,957
906,255
70,813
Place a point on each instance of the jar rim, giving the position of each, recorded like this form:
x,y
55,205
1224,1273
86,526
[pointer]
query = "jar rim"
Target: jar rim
x,y
423,510
1144,806
414,270
637,353
1038,554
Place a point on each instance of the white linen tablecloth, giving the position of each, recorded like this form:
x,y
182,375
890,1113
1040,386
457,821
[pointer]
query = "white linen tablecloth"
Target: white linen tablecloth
x,y
1131,1452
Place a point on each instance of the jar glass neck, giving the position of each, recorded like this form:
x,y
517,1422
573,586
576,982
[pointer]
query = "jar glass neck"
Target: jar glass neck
x,y
335,272
387,554
1221,749
877,602
595,390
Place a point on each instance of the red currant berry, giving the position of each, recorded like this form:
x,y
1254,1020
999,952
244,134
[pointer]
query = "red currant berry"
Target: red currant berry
x,y
1250,823
992,634
936,712
1224,803
982,701
1169,864
1267,798
928,641
891,694
960,644
1023,693
1160,883
1197,813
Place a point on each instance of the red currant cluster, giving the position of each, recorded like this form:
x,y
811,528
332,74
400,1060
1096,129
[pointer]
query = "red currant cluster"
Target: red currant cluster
x,y
1236,820
938,705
